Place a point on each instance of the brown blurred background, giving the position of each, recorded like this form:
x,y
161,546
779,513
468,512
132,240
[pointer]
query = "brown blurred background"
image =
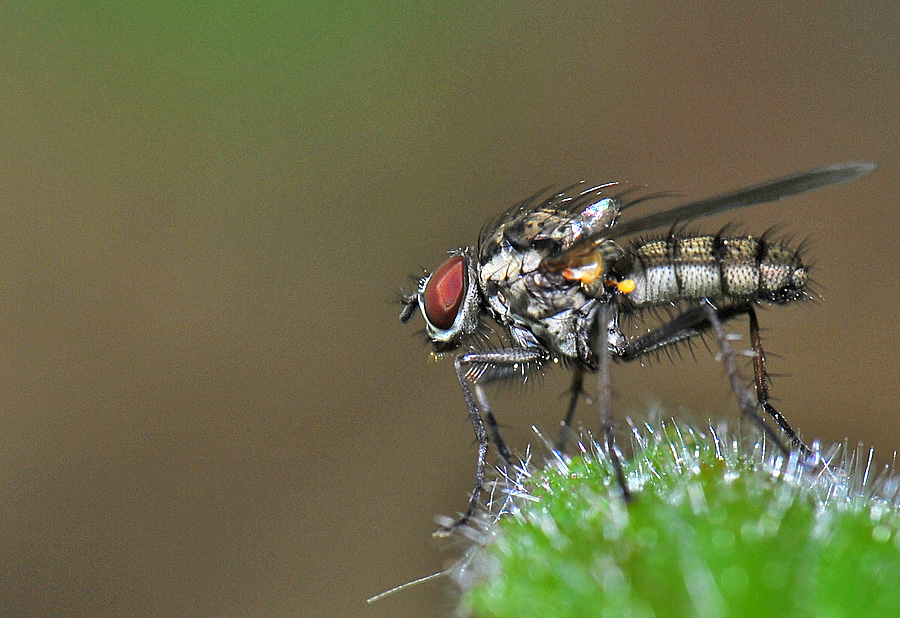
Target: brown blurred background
x,y
210,407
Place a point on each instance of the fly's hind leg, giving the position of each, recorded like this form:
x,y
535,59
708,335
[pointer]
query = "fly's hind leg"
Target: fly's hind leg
x,y
745,399
478,368
761,378
575,391
691,323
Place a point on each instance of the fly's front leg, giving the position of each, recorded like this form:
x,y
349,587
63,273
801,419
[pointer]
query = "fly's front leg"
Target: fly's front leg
x,y
481,438
493,426
477,368
762,385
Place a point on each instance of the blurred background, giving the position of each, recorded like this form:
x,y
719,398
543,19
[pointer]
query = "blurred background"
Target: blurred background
x,y
206,210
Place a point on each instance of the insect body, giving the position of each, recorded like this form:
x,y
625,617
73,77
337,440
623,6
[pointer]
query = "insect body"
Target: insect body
x,y
696,267
553,273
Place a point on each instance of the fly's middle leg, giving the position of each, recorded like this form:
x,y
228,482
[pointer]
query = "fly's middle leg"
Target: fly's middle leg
x,y
604,398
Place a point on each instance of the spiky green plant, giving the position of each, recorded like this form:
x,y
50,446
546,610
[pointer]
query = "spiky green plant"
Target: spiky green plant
x,y
717,527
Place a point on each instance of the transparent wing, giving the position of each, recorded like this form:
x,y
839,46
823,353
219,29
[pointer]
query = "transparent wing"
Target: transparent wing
x,y
580,260
770,191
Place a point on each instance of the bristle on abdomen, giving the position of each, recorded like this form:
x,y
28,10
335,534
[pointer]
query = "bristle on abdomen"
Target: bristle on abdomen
x,y
695,267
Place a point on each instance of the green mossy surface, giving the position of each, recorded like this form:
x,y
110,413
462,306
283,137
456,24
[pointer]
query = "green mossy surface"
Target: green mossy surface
x,y
714,529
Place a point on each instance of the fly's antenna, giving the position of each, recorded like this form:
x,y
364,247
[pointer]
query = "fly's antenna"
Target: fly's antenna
x,y
410,303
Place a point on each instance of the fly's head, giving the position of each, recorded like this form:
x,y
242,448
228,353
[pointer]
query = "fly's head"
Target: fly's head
x,y
449,301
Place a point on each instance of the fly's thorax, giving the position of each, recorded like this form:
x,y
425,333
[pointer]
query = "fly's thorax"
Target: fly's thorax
x,y
506,276
556,311
552,222
515,287
694,267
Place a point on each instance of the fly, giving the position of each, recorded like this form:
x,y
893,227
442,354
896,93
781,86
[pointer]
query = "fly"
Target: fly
x,y
555,276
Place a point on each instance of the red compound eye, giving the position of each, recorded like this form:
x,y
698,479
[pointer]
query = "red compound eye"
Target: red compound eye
x,y
444,292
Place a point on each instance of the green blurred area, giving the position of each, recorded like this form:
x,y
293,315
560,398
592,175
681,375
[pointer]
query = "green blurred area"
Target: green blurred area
x,y
715,528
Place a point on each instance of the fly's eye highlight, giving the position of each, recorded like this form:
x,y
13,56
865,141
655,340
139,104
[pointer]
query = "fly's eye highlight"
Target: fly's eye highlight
x,y
444,292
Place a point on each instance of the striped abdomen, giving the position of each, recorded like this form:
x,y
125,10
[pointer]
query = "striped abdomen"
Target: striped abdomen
x,y
694,267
